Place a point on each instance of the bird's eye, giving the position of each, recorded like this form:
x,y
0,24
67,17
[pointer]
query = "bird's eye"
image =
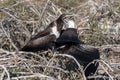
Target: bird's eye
x,y
64,17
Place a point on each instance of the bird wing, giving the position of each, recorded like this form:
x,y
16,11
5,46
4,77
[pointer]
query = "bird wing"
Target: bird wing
x,y
82,52
39,44
69,36
42,33
43,40
85,52
40,41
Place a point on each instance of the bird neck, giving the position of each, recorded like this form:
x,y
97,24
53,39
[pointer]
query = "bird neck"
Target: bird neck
x,y
71,24
59,24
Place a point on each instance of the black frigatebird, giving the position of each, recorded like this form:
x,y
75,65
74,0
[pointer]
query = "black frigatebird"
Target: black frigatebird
x,y
83,53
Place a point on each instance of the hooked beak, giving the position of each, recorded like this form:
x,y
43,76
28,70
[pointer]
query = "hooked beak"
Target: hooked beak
x,y
67,18
70,15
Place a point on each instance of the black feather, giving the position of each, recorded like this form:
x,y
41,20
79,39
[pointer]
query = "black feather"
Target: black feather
x,y
83,53
68,36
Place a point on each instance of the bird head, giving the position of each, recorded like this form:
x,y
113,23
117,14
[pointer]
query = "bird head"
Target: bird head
x,y
65,19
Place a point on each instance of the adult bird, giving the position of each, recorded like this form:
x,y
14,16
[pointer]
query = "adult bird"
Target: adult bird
x,y
83,53
45,39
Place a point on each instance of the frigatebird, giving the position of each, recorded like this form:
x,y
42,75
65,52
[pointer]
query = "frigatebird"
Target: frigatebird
x,y
83,53
45,39
68,35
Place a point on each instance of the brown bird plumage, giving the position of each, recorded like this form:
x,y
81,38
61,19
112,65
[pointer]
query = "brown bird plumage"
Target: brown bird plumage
x,y
46,39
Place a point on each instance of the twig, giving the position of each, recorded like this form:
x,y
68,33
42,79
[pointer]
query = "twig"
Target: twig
x,y
3,10
102,67
111,77
50,61
98,76
28,67
2,75
19,2
102,61
35,75
8,37
33,54
44,10
33,8
69,56
58,9
91,63
5,69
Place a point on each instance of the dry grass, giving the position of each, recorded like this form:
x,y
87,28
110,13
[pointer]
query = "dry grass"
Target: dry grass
x,y
21,19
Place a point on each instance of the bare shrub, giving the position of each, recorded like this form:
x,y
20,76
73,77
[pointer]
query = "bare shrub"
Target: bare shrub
x,y
98,23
